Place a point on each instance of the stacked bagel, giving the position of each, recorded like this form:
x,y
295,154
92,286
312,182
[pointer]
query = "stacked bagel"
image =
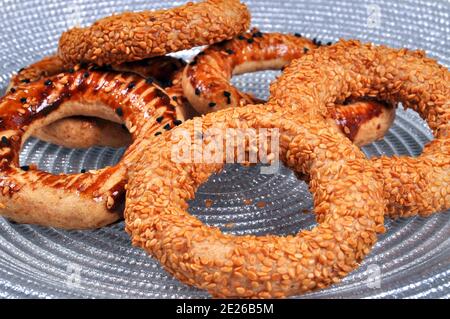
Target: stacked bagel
x,y
329,100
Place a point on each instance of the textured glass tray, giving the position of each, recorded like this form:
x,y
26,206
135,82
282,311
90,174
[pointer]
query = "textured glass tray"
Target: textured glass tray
x,y
411,260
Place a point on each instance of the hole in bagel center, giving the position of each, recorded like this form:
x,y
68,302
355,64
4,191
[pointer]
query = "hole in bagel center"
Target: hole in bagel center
x,y
83,152
241,200
256,83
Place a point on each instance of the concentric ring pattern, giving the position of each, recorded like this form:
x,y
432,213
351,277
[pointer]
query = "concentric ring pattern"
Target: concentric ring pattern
x,y
411,260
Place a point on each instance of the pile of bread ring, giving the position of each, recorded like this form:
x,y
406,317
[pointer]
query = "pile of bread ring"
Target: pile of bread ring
x,y
114,76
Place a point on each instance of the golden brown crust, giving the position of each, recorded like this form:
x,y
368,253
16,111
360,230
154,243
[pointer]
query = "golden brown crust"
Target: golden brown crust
x,y
89,199
207,86
350,192
131,36
82,132
412,185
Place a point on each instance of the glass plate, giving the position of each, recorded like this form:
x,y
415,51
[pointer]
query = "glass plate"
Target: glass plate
x,y
412,260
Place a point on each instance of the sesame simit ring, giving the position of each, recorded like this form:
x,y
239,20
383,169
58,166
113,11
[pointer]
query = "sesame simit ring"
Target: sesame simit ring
x,y
133,36
347,196
207,86
350,192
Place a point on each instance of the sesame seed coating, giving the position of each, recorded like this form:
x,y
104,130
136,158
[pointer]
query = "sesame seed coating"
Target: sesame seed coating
x,y
348,205
86,200
411,185
81,131
135,36
207,86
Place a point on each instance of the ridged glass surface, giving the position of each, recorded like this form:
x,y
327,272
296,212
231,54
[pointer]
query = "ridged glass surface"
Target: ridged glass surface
x,y
411,260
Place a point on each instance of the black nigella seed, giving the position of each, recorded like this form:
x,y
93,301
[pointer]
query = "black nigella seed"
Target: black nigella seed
x,y
25,81
13,90
25,168
314,40
165,83
241,37
305,50
212,104
131,86
175,98
5,140
159,119
319,43
177,122
149,80
83,171
48,83
22,69
119,111
124,127
258,34
23,100
250,40
229,51
86,75
298,35
201,53
197,91
193,63
158,133
329,43
167,127
71,71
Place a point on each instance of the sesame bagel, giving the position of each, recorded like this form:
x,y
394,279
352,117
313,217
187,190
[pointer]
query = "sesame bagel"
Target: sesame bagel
x,y
133,36
83,131
89,199
413,185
